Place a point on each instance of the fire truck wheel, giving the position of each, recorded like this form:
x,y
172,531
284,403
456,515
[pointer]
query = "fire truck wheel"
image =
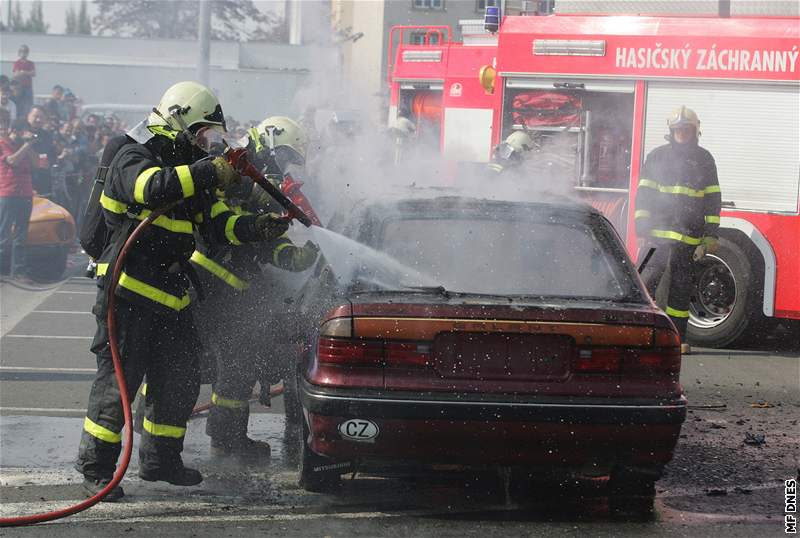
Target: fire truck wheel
x,y
726,300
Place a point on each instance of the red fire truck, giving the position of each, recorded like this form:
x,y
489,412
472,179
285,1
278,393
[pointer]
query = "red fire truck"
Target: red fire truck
x,y
604,86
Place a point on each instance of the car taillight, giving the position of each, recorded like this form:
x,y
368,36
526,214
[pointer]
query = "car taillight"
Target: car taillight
x,y
349,352
663,358
353,352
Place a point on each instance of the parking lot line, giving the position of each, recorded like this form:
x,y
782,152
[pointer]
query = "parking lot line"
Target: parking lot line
x,y
37,369
61,312
56,410
49,336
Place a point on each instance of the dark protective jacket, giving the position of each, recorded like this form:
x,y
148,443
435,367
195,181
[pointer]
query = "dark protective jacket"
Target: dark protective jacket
x,y
156,270
236,265
678,197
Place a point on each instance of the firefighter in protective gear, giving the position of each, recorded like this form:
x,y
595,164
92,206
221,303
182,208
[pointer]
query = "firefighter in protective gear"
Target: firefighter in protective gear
x,y
678,202
510,153
159,165
228,272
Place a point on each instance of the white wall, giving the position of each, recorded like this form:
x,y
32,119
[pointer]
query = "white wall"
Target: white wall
x,y
253,79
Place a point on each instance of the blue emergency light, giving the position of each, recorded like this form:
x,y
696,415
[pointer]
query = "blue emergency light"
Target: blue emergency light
x,y
491,19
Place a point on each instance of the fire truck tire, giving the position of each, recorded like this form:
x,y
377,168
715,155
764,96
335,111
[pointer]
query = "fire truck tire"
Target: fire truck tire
x,y
727,297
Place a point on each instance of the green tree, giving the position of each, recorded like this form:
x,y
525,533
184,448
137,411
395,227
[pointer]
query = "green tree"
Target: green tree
x,y
84,22
35,21
79,22
15,22
71,21
178,19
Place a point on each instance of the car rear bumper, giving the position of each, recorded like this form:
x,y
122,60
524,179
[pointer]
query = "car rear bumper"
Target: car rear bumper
x,y
494,432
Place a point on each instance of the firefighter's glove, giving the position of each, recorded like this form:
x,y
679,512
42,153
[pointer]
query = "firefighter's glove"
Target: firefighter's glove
x,y
305,256
226,175
271,226
709,245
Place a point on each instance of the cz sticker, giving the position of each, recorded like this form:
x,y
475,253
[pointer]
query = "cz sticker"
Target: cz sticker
x,y
361,430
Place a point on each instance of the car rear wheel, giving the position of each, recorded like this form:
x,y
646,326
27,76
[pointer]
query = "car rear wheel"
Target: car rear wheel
x,y
726,300
316,474
49,265
631,494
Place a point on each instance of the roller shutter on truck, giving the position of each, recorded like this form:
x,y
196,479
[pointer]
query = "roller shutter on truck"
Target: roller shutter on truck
x,y
751,129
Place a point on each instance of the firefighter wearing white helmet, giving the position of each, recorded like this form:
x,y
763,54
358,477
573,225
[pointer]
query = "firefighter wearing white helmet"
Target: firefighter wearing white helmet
x,y
229,271
158,164
510,153
678,204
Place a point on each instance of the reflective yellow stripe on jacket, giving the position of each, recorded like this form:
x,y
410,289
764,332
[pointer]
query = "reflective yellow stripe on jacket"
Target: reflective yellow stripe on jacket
x,y
104,434
146,290
678,189
228,403
141,183
219,271
712,219
163,430
186,179
675,236
641,214
280,248
172,225
677,313
256,138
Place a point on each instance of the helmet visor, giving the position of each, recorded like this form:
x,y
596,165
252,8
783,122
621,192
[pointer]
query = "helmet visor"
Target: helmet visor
x,y
214,142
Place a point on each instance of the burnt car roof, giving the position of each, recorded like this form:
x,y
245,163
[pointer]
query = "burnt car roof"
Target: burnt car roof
x,y
407,203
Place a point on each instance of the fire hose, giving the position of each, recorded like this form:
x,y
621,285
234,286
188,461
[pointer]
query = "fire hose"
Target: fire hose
x,y
240,162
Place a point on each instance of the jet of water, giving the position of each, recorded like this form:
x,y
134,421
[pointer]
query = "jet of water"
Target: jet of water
x,y
350,259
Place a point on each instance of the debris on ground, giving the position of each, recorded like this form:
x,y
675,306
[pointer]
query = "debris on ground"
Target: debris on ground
x,y
756,439
710,406
743,491
761,404
716,492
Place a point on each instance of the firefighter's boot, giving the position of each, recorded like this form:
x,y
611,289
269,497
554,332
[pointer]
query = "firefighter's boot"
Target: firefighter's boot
x,y
242,447
93,486
177,476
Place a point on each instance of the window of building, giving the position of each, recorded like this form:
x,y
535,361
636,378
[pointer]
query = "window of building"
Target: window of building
x,y
480,6
428,4
418,38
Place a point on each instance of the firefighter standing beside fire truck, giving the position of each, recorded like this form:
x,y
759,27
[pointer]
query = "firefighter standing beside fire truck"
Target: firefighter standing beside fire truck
x,y
678,203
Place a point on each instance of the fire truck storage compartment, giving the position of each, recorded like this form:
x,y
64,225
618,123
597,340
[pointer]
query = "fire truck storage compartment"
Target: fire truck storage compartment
x,y
586,125
751,129
422,104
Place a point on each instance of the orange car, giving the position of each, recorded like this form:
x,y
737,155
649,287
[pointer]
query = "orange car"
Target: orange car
x,y
51,235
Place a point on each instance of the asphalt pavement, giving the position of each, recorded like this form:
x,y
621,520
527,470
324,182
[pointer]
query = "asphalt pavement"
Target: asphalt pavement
x,y
738,445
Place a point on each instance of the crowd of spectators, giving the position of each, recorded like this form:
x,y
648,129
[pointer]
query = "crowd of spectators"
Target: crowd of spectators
x,y
62,149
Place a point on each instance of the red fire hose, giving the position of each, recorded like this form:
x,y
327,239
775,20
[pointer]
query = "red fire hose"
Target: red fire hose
x,y
123,391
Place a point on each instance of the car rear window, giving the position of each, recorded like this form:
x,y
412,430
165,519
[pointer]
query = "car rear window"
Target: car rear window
x,y
548,257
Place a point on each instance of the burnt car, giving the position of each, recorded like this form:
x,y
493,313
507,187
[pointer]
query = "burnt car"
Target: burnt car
x,y
496,334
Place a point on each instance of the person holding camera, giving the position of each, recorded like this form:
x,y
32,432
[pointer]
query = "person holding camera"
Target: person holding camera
x,y
16,198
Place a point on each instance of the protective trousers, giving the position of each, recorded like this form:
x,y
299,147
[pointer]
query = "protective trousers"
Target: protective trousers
x,y
166,349
677,257
236,344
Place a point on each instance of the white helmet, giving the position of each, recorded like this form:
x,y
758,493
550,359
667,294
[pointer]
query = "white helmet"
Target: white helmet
x,y
184,105
285,133
403,127
520,141
683,116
